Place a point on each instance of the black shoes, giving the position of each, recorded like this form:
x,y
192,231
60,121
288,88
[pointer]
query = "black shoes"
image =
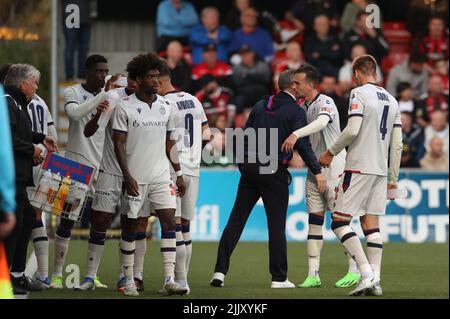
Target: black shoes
x,y
24,284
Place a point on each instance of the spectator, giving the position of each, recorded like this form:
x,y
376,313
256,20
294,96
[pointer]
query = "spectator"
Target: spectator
x,y
233,19
435,158
328,86
266,20
174,21
216,100
209,32
438,127
180,70
20,87
435,45
323,49
413,141
435,100
372,39
303,13
289,31
441,67
413,71
419,13
76,39
292,62
211,65
350,13
405,98
258,39
251,79
345,73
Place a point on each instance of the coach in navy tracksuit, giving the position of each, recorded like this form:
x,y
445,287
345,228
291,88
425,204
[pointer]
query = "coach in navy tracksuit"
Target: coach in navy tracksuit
x,y
280,112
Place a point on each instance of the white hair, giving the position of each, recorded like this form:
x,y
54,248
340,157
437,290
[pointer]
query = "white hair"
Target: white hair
x,y
21,73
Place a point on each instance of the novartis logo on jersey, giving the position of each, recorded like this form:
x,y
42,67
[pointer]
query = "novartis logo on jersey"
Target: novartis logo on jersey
x,y
137,124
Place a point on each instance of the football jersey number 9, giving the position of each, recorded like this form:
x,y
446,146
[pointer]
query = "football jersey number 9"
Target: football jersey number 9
x,y
189,125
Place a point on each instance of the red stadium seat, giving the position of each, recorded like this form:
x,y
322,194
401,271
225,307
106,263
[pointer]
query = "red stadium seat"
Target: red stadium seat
x,y
396,33
399,40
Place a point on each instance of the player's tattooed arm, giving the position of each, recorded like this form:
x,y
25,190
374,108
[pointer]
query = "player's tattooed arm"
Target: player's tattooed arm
x,y
172,155
130,184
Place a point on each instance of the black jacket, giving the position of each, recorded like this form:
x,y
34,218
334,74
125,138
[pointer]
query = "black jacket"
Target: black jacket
x,y
285,115
378,46
22,135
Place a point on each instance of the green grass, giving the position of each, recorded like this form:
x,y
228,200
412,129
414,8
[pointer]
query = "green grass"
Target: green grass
x,y
409,271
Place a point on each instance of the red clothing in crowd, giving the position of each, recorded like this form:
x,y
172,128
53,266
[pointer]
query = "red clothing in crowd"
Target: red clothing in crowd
x,y
220,69
217,103
434,49
431,104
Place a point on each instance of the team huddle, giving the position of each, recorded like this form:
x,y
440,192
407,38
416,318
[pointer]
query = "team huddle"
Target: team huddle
x,y
145,141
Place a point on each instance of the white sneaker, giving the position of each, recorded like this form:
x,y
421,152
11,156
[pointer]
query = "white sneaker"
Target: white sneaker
x,y
282,284
130,289
375,290
364,283
217,279
184,284
87,284
172,288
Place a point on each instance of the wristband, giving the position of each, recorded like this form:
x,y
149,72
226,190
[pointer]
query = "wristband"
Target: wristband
x,y
179,173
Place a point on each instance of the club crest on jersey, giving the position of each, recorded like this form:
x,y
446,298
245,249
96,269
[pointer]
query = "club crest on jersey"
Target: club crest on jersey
x,y
162,110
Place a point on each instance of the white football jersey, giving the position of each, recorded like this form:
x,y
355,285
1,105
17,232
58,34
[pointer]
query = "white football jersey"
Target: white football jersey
x,y
41,119
369,151
146,126
324,105
188,118
109,162
40,115
90,148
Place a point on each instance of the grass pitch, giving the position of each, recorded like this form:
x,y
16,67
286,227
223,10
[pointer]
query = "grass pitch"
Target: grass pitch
x,y
409,271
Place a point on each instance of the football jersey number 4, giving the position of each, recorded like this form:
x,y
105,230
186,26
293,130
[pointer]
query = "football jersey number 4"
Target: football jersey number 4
x,y
383,124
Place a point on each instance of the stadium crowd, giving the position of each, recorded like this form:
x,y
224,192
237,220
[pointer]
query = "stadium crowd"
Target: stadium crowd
x,y
229,61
